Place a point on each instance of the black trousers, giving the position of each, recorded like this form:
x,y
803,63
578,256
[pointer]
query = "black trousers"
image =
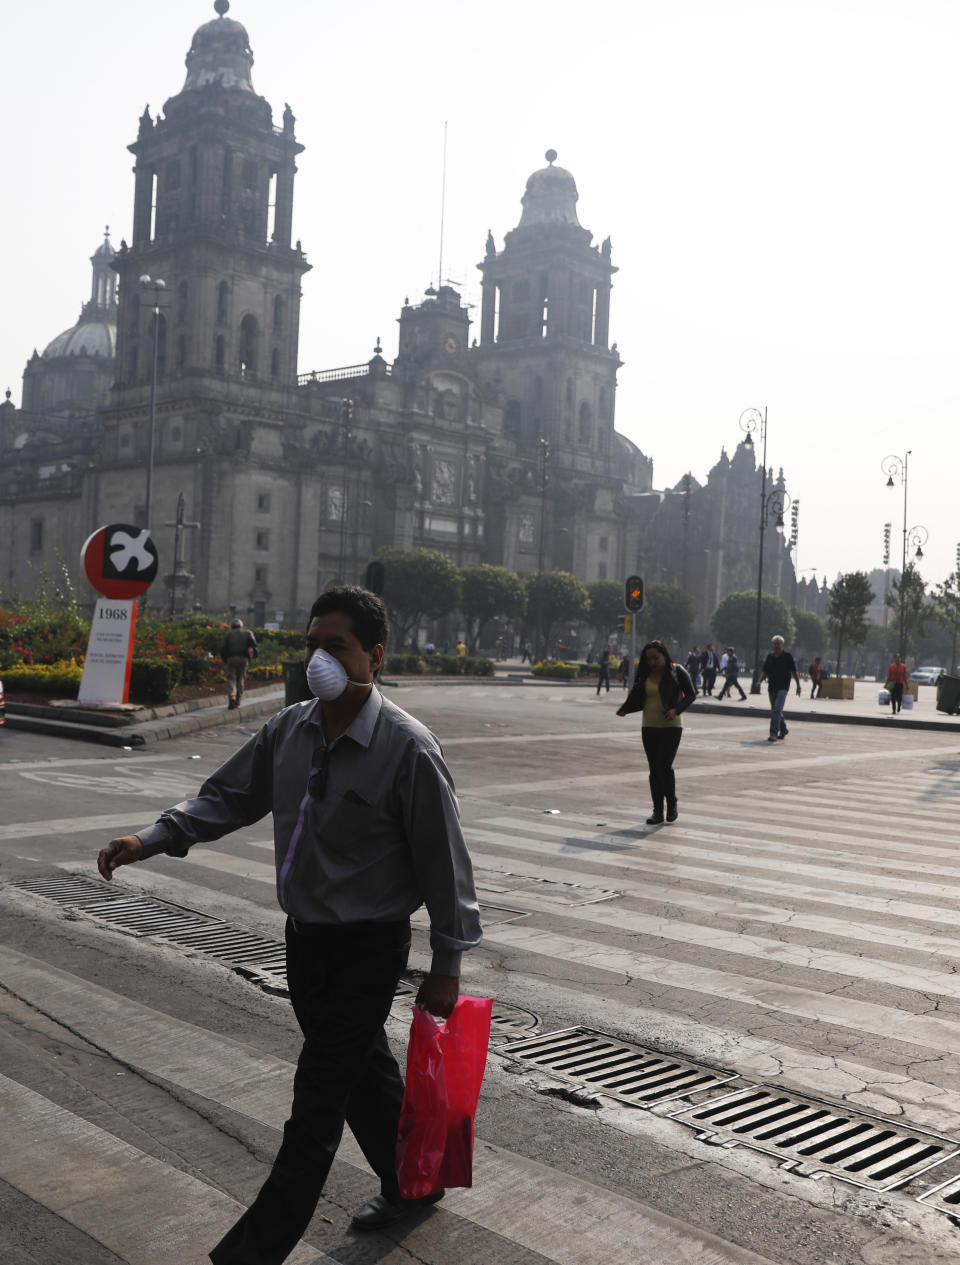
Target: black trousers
x,y
896,695
728,683
342,982
661,748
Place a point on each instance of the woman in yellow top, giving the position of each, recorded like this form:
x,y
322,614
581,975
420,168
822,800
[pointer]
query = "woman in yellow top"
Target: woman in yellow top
x,y
662,690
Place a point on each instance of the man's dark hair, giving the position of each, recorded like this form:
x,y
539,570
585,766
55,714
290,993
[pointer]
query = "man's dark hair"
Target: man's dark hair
x,y
368,615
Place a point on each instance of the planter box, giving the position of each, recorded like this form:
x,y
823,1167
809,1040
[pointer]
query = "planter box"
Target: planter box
x,y
837,687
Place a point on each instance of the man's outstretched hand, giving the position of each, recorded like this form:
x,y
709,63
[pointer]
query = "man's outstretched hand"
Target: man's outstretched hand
x,y
119,852
438,994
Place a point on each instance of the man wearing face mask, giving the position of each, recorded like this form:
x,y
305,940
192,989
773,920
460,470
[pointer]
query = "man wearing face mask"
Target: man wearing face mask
x,y
366,830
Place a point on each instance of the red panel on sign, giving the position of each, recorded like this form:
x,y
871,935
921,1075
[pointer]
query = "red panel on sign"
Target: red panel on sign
x,y
120,561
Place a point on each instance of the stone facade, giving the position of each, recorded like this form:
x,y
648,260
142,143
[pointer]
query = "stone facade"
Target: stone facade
x,y
499,448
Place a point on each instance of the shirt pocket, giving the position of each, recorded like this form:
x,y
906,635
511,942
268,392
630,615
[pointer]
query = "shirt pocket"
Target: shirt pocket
x,y
352,819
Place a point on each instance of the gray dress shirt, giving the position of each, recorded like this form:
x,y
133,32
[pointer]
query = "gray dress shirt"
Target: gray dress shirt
x,y
366,829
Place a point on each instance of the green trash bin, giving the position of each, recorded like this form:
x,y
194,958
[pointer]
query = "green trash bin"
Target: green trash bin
x,y
948,695
295,688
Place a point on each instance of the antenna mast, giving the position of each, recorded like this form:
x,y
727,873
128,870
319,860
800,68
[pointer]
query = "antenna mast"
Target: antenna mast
x,y
443,204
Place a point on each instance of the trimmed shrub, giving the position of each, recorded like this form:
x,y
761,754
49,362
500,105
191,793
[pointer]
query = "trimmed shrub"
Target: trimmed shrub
x,y
154,680
477,666
556,671
62,678
265,672
590,669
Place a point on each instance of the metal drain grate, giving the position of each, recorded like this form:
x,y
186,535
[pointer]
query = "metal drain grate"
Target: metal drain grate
x,y
945,1197
255,957
627,1072
819,1137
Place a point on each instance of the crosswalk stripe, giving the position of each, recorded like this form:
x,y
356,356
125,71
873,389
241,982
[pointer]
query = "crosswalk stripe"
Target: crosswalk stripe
x,y
733,877
569,1221
728,862
921,1030
109,1190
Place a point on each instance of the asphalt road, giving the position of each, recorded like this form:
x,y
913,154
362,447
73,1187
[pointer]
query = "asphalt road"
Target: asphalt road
x,y
795,930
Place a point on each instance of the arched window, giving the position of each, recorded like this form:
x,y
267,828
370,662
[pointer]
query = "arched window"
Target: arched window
x,y
249,335
603,404
134,357
278,306
181,352
221,354
275,363
182,296
513,417
223,294
134,310
586,423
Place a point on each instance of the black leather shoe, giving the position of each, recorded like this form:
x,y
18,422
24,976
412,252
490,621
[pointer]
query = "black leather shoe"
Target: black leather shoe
x,y
655,819
672,813
381,1211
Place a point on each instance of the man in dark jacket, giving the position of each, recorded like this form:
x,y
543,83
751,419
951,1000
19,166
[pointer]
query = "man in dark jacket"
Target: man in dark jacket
x,y
778,668
239,647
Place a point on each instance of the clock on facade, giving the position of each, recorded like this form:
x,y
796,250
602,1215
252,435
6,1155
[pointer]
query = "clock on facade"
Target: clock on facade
x,y
452,345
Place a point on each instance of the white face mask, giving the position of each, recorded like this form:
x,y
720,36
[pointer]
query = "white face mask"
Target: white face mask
x,y
327,677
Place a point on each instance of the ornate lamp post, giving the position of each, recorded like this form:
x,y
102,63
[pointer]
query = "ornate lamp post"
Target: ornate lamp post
x,y
156,287
896,469
751,421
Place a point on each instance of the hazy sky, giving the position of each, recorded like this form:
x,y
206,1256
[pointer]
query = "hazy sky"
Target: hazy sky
x,y
779,178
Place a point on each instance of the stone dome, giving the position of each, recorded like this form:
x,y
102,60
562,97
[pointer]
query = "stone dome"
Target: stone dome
x,y
96,336
550,196
220,54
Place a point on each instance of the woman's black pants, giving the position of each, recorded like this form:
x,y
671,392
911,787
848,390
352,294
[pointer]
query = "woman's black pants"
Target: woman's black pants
x,y
661,748
342,982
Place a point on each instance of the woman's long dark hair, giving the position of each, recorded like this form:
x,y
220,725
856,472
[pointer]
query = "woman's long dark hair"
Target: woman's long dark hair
x,y
643,670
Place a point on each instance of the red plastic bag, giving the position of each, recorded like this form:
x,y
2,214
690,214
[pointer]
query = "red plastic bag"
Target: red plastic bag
x,y
444,1072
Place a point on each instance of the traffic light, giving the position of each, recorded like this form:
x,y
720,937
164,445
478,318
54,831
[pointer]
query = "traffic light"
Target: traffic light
x,y
623,623
633,594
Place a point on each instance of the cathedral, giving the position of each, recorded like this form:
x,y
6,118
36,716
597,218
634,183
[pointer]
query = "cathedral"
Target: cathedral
x,y
180,384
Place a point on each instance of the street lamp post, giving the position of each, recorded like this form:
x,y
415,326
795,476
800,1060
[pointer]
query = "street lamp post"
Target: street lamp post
x,y
157,287
896,469
752,420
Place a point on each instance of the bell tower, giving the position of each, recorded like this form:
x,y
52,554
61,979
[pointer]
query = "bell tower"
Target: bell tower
x,y
545,321
213,211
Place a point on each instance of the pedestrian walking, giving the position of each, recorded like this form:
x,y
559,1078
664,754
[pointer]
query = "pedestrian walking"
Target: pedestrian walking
x,y
624,672
238,648
604,676
778,668
816,678
730,670
896,680
661,691
709,666
366,830
693,667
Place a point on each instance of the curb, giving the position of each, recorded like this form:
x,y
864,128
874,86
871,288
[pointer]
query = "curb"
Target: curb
x,y
180,721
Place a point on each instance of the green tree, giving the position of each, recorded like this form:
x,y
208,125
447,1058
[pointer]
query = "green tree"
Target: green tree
x,y
668,612
811,632
606,606
850,596
913,616
734,622
552,597
418,584
486,591
945,600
